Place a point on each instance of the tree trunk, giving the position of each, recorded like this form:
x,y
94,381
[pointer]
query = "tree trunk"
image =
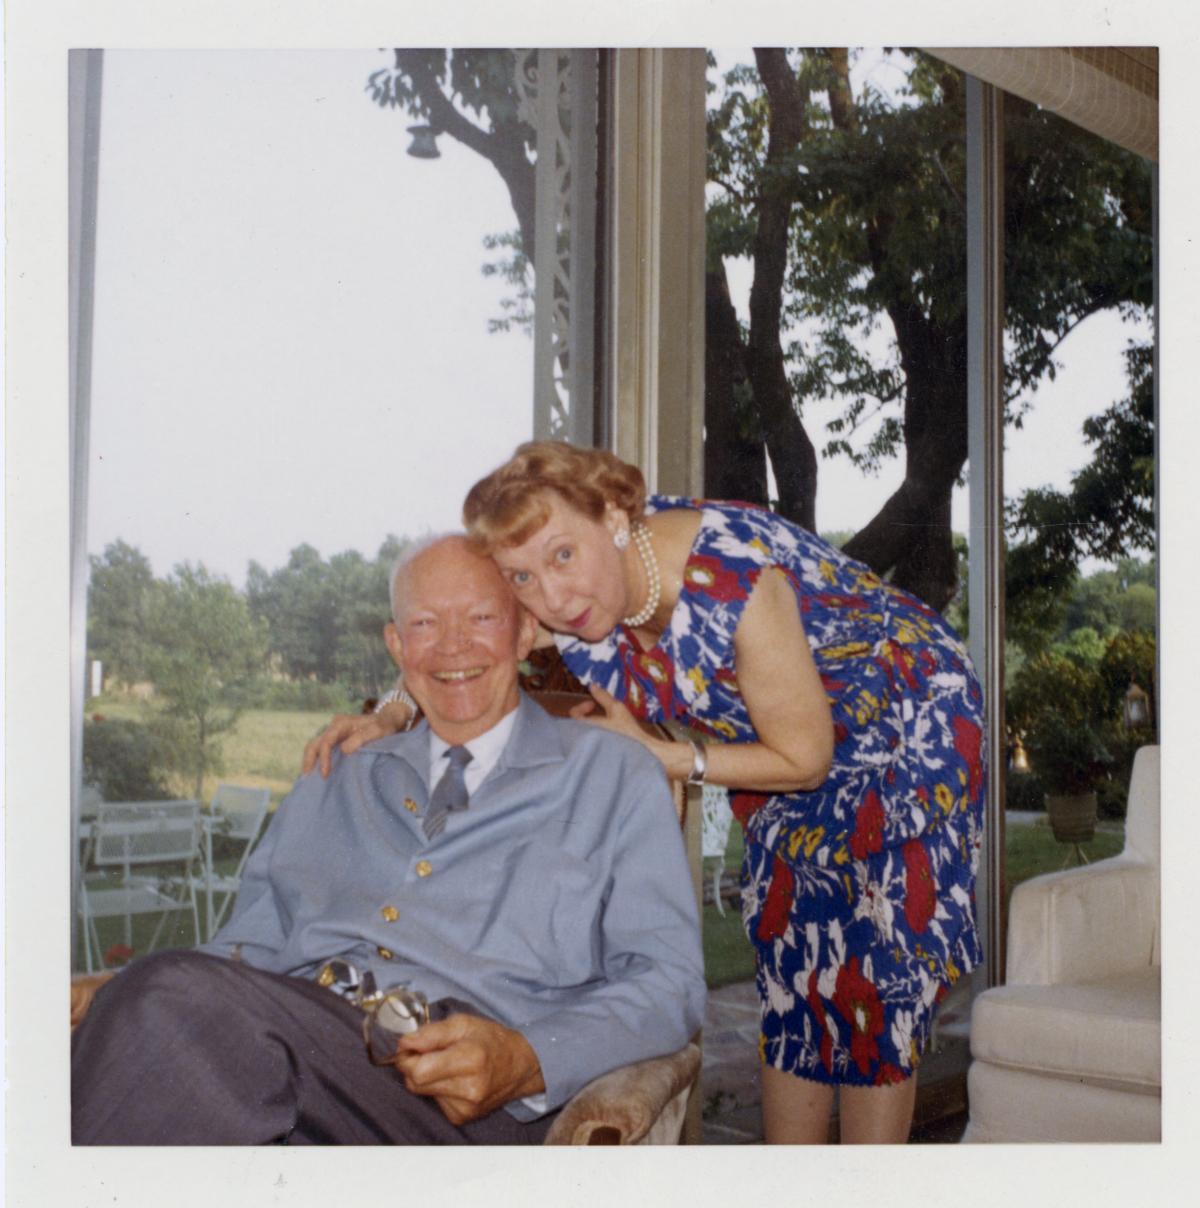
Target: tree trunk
x,y
911,534
735,465
793,457
504,147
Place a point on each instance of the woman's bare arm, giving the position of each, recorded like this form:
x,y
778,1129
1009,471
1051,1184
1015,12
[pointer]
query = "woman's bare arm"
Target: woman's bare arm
x,y
784,696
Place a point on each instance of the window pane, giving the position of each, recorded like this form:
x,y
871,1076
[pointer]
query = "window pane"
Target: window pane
x,y
320,310
1079,481
836,374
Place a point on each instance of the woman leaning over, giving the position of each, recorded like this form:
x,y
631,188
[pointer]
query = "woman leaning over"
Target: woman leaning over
x,y
846,722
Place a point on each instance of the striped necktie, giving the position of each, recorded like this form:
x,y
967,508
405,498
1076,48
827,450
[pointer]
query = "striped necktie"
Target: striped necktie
x,y
450,793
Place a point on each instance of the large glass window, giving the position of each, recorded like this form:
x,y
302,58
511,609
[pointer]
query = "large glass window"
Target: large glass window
x,y
836,328
836,391
330,290
1080,487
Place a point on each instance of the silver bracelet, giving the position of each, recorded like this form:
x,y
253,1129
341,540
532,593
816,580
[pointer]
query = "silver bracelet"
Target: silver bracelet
x,y
699,763
399,695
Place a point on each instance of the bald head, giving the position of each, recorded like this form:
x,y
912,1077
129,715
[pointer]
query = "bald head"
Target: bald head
x,y
457,634
450,545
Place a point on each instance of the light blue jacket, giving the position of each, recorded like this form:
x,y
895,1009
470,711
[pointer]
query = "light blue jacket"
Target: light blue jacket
x,y
559,903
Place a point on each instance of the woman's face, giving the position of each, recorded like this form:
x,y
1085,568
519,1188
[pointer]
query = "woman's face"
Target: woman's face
x,y
569,574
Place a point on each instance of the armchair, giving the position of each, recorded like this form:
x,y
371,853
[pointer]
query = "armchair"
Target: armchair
x,y
640,1104
1069,1049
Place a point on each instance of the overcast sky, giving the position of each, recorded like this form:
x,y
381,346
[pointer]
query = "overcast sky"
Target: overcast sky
x,y
291,322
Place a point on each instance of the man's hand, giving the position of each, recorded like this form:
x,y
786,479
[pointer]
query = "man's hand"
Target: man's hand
x,y
351,731
83,990
469,1066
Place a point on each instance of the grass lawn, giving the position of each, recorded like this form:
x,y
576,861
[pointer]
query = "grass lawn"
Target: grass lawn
x,y
1029,851
262,751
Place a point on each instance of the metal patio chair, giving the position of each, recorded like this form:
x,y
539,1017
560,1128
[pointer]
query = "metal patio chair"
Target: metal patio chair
x,y
150,837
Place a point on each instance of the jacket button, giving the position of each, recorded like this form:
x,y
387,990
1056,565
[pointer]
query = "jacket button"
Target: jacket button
x,y
390,914
386,953
424,868
410,805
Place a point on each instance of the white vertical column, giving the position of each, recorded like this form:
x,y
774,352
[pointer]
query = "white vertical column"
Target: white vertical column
x,y
985,440
581,306
545,221
84,76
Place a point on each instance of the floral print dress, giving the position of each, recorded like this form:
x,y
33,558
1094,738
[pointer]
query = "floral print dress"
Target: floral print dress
x,y
858,896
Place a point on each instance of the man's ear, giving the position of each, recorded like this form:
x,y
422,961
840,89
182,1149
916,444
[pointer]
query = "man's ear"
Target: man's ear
x,y
527,631
391,638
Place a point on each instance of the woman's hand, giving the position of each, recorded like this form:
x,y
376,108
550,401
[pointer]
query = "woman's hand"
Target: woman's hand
x,y
614,715
351,731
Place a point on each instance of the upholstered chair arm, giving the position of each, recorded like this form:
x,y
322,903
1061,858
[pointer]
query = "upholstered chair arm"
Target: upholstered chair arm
x,y
1084,923
642,1103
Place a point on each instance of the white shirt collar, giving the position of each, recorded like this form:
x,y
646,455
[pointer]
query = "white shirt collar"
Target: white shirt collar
x,y
485,751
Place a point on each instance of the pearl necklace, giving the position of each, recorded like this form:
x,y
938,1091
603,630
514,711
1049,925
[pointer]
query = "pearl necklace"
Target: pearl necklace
x,y
641,538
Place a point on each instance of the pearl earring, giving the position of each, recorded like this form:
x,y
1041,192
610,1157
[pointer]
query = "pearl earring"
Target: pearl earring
x,y
621,538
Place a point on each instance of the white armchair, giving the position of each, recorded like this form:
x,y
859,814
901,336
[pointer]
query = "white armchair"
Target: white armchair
x,y
1069,1049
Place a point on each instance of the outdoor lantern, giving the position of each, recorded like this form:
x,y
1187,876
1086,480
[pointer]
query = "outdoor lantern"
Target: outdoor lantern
x,y
1137,707
1020,760
424,142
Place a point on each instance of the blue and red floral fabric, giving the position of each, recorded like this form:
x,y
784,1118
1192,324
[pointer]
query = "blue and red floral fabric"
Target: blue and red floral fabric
x,y
858,896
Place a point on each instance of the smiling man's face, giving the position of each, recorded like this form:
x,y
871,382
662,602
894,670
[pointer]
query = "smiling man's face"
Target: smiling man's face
x,y
458,635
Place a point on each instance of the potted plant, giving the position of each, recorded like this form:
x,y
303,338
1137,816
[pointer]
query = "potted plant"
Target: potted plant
x,y
1070,757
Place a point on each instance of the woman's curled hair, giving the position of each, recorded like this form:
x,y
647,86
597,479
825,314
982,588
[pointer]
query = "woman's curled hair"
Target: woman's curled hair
x,y
509,505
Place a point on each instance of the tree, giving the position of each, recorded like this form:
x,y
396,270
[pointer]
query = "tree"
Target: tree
x,y
203,651
438,85
852,212
120,591
324,619
1108,511
299,606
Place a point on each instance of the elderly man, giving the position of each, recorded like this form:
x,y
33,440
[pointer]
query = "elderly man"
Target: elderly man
x,y
524,874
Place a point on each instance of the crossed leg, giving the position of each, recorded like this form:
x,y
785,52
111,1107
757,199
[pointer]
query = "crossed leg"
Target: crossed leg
x,y
183,1048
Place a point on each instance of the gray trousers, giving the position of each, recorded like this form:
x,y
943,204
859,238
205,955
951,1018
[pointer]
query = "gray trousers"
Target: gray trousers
x,y
183,1048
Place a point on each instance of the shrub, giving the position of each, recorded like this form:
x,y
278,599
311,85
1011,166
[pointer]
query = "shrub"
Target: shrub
x,y
1112,798
1024,791
125,760
1129,657
1069,756
1052,684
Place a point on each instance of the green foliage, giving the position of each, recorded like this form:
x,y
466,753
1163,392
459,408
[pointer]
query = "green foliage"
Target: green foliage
x,y
1130,658
309,695
1070,757
878,229
1069,710
1053,684
480,80
125,760
1083,645
120,590
203,651
513,267
1112,798
1108,511
1024,791
325,618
